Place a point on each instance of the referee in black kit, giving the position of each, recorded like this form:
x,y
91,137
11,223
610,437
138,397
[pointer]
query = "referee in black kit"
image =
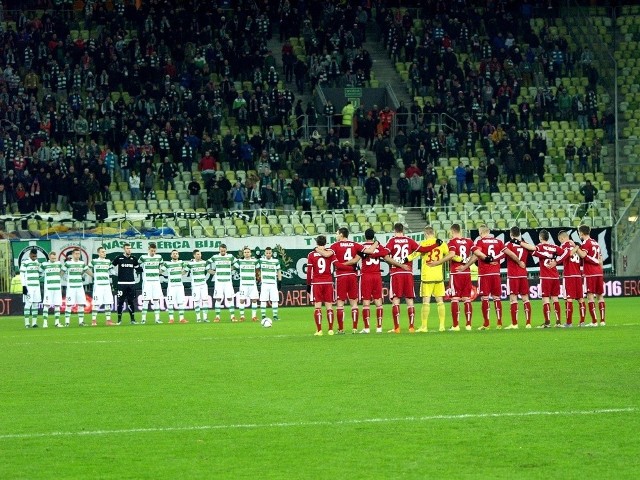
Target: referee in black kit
x,y
127,266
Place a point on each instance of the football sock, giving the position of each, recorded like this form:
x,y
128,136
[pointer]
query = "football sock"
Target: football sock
x,y
498,306
468,311
107,312
241,308
441,313
354,317
583,311
94,315
556,309
45,314
317,316
180,313
56,314
546,312
366,313
412,316
601,307
485,312
27,313
145,307
514,312
424,314
592,312
527,311
263,309
396,316
170,313
274,309
81,314
254,309
379,314
218,307
67,315
232,309
455,312
569,313
330,318
197,309
340,318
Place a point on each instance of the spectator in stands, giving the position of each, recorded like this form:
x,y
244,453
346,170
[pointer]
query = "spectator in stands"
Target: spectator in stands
x,y
372,188
347,119
207,166
589,192
461,173
596,152
429,196
444,192
385,186
482,177
400,142
468,179
168,173
194,193
288,198
493,175
216,197
415,189
583,157
253,195
527,168
134,185
332,196
307,198
403,189
269,198
148,183
297,186
3,200
569,157
238,196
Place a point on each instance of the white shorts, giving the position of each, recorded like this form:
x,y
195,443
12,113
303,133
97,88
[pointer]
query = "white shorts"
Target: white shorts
x,y
151,291
34,295
223,290
102,295
269,293
76,296
52,298
200,293
248,292
175,296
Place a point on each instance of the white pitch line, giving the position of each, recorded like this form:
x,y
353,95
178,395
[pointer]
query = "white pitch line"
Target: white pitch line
x,y
316,423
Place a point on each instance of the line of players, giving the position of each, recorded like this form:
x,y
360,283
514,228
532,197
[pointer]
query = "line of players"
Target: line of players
x,y
582,274
152,267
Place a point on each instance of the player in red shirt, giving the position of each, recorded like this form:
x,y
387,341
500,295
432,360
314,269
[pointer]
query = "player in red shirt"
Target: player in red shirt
x,y
402,281
572,279
517,252
320,283
488,252
550,256
591,255
459,280
346,277
371,277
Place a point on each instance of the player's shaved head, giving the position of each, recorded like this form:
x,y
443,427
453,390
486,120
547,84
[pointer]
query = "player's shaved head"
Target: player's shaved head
x,y
544,235
321,240
369,234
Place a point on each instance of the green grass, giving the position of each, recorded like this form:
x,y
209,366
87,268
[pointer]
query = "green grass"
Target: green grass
x,y
239,401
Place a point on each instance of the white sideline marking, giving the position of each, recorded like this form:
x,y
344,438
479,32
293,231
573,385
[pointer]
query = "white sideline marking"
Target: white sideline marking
x,y
316,423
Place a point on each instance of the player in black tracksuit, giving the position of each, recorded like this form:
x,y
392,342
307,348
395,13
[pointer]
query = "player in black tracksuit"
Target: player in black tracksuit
x,y
127,267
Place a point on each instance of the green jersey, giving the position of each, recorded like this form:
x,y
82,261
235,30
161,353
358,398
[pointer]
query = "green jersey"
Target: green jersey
x,y
269,269
75,270
52,273
30,273
247,268
198,272
101,271
150,267
174,271
222,265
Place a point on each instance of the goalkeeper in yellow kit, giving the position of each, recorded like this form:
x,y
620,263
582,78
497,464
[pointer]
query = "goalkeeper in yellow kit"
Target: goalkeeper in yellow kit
x,y
432,278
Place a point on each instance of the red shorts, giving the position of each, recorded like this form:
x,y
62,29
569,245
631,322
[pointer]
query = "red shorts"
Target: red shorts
x,y
402,286
460,285
347,287
549,287
322,292
370,287
573,288
594,284
490,285
518,286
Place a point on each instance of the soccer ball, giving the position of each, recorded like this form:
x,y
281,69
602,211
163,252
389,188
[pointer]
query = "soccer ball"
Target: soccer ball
x,y
266,322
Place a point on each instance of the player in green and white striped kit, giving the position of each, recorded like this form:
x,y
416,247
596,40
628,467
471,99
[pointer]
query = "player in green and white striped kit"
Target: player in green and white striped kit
x,y
175,288
75,270
52,272
271,278
197,269
222,265
102,293
248,291
151,289
32,296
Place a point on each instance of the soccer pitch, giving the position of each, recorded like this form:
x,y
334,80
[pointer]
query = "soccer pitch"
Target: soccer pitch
x,y
238,400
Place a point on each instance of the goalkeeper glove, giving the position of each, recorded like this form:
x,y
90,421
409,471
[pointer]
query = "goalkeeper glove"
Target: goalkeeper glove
x,y
308,288
515,241
488,259
438,242
25,291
